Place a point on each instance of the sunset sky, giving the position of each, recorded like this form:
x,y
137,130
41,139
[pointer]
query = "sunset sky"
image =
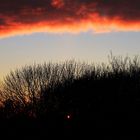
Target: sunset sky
x,y
34,31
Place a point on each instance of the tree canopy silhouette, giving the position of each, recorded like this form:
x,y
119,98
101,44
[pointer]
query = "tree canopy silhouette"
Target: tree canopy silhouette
x,y
72,93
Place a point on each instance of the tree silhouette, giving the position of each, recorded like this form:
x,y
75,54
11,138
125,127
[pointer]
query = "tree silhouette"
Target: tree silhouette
x,y
33,84
74,95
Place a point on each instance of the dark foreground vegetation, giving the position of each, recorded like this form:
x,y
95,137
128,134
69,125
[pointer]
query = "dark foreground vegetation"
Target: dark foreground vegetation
x,y
72,98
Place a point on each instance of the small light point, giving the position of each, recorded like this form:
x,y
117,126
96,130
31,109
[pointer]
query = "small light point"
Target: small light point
x,y
68,116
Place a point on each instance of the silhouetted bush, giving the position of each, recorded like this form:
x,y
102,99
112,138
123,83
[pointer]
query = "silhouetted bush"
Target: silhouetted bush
x,y
72,94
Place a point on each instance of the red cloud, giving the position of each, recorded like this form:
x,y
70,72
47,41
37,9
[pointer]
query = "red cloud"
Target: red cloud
x,y
57,3
59,16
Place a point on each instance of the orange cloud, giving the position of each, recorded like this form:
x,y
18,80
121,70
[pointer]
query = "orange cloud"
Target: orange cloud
x,y
59,16
57,3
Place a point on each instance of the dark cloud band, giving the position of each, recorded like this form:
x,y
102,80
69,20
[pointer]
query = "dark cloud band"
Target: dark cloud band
x,y
27,16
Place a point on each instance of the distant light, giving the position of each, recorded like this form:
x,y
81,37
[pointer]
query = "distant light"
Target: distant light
x,y
68,116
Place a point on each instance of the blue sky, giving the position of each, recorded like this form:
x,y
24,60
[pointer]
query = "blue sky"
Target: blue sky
x,y
42,47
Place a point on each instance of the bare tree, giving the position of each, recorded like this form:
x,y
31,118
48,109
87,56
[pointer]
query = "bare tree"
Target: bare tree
x,y
29,84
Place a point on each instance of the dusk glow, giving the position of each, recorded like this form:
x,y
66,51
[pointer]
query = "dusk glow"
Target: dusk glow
x,y
60,16
56,30
69,66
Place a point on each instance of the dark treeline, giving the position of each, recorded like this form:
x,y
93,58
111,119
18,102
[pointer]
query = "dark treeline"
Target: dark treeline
x,y
72,95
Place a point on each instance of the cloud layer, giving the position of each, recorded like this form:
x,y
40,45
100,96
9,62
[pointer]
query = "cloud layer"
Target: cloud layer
x,y
29,16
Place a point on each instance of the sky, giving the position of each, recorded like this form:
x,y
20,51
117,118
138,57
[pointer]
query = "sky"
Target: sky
x,y
37,31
